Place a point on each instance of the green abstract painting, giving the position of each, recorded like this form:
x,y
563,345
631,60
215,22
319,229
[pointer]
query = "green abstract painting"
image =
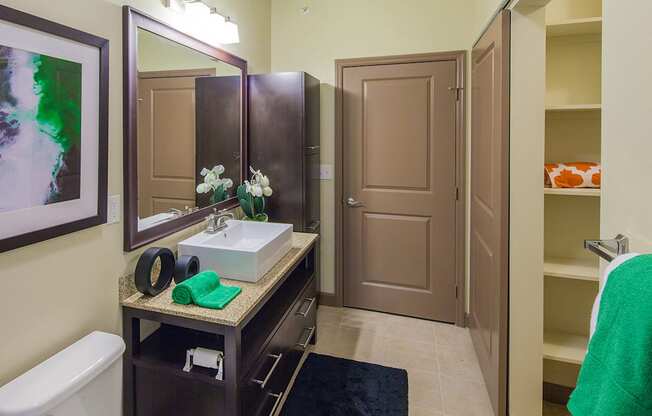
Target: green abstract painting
x,y
40,129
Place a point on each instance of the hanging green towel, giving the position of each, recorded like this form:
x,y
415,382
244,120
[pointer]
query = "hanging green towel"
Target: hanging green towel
x,y
205,290
616,377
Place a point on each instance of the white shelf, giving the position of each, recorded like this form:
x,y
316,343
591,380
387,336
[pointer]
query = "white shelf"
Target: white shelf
x,y
563,347
574,107
571,27
571,269
593,192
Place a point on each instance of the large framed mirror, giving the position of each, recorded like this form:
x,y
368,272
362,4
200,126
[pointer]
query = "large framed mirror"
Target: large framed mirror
x,y
185,148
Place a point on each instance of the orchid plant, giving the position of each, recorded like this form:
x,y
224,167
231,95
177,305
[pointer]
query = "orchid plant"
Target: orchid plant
x,y
213,183
252,194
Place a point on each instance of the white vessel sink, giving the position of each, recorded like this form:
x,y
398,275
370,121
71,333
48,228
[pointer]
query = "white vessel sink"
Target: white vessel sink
x,y
244,250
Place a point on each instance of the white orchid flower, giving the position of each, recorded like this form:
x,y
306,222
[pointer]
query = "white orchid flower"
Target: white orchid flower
x,y
212,180
258,185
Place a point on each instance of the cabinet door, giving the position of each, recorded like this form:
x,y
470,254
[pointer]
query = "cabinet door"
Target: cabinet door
x,y
275,145
311,214
312,159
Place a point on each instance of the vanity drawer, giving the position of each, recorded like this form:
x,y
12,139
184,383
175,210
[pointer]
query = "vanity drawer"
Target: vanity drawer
x,y
260,387
298,329
271,375
301,323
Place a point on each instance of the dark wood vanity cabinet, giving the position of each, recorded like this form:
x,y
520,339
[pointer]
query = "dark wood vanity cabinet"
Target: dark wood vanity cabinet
x,y
261,352
284,143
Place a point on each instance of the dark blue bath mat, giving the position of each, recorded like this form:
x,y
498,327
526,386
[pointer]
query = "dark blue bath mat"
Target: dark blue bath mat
x,y
329,386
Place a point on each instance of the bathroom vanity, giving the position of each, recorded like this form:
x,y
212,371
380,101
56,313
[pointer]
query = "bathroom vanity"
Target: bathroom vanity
x,y
263,333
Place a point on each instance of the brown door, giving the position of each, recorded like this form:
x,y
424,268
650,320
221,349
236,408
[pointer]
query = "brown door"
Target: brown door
x,y
489,206
399,186
166,144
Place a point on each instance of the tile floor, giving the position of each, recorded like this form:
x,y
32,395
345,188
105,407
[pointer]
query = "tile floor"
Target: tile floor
x,y
443,373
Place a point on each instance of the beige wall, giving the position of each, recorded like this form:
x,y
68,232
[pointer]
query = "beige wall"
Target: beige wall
x,y
337,29
155,53
626,143
483,12
55,292
527,125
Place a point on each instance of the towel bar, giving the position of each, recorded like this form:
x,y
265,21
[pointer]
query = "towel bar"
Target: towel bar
x,y
608,249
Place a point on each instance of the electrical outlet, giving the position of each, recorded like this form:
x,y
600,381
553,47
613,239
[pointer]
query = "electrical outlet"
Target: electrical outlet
x,y
325,172
113,209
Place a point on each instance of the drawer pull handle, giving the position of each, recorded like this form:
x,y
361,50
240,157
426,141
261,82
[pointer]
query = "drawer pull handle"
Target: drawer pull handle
x,y
278,396
303,313
312,148
311,332
263,382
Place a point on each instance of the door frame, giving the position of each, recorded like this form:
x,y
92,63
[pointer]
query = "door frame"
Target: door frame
x,y
460,175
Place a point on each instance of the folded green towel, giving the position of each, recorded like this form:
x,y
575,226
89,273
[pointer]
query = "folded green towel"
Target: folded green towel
x,y
205,290
615,377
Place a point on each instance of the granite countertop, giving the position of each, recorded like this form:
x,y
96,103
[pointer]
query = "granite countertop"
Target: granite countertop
x,y
237,310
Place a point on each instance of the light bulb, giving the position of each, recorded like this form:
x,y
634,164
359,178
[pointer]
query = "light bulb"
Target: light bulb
x,y
197,9
230,32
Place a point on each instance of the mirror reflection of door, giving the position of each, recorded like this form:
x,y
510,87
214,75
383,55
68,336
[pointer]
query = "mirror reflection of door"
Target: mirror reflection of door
x,y
166,140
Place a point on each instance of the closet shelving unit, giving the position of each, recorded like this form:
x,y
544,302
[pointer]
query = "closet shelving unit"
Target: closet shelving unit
x,y
572,192
573,130
575,107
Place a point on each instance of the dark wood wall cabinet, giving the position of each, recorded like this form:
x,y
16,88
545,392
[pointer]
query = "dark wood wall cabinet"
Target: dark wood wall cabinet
x,y
284,143
261,352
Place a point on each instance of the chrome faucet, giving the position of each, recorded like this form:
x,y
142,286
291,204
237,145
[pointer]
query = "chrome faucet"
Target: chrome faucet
x,y
217,221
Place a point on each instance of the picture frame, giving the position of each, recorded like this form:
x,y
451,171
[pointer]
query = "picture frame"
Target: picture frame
x,y
54,83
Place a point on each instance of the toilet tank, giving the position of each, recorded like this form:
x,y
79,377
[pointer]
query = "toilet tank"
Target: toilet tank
x,y
85,379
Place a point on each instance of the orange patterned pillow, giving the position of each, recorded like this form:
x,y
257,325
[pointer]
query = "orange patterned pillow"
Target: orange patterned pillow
x,y
573,175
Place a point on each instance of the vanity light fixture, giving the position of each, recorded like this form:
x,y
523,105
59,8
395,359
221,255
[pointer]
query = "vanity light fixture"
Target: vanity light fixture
x,y
208,24
197,8
230,33
178,6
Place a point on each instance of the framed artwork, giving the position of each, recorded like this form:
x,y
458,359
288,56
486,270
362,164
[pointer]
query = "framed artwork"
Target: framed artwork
x,y
53,129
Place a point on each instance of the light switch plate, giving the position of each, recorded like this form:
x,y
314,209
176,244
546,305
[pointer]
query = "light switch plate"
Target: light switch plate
x,y
113,209
325,172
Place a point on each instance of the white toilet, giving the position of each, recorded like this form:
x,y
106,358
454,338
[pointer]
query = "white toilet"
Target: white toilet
x,y
84,379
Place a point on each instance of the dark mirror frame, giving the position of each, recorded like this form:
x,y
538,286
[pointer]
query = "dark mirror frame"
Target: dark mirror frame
x,y
132,21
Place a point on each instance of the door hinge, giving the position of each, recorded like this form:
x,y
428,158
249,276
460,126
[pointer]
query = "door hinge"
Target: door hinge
x,y
457,295
457,194
458,92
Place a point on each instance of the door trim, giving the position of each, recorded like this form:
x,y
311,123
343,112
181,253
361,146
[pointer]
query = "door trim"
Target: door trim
x,y
460,175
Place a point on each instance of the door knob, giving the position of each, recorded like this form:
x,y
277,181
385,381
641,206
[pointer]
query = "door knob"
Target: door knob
x,y
352,203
